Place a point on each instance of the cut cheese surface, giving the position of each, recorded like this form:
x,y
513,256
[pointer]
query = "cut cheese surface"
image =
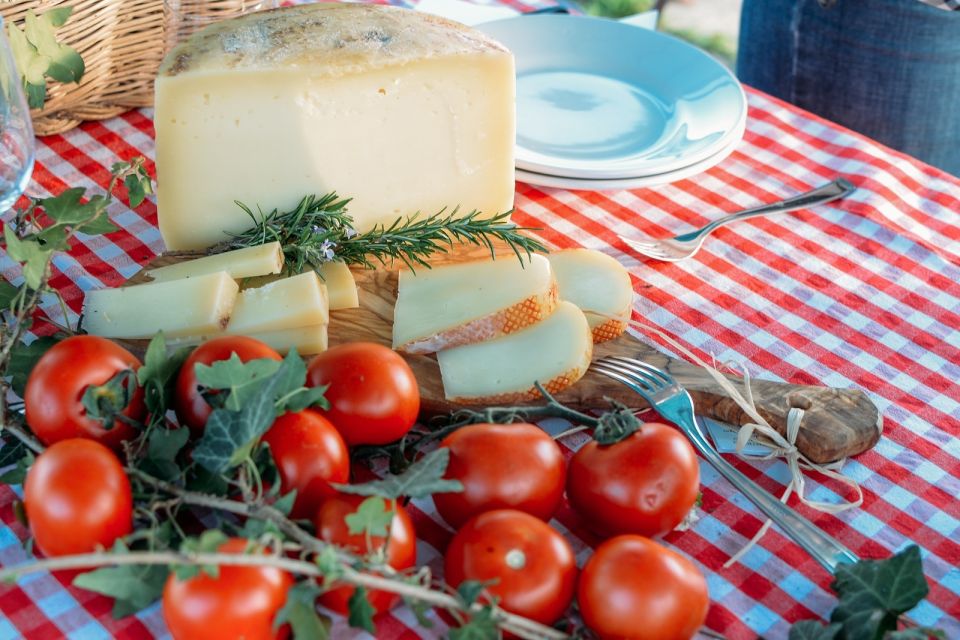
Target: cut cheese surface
x,y
341,286
307,340
459,304
178,308
401,111
599,285
555,352
297,301
239,263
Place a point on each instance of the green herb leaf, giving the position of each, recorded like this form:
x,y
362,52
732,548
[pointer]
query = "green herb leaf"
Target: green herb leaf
x,y
301,612
813,630
372,517
242,380
23,358
106,402
158,376
133,587
163,445
423,478
8,293
361,611
873,593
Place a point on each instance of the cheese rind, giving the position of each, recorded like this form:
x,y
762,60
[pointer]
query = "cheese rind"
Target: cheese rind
x,y
555,352
240,263
400,111
599,285
180,307
458,304
307,340
297,301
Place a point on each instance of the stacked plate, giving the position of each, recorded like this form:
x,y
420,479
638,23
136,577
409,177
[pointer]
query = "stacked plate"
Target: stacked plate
x,y
607,105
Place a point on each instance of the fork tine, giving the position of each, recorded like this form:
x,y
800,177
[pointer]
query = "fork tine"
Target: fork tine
x,y
624,379
638,365
655,382
606,367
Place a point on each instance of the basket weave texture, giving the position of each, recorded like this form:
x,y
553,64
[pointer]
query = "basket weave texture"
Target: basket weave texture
x,y
122,43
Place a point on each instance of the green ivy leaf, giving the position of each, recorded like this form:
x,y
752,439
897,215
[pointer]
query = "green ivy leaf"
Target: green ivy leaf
x,y
23,357
8,293
285,503
31,65
163,445
301,612
90,217
133,587
242,380
420,610
423,478
303,398
229,435
470,590
813,630
18,473
372,516
329,564
480,626
915,633
873,593
207,542
361,612
106,402
65,64
29,252
158,375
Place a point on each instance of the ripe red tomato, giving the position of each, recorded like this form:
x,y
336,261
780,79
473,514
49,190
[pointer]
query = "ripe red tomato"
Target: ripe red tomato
x,y
192,410
635,589
401,549
645,484
241,602
532,566
77,497
513,466
56,385
373,395
310,454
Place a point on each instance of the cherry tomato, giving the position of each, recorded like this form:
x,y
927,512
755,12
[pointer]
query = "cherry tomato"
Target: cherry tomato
x,y
400,553
241,602
513,466
309,454
77,497
192,409
635,589
532,566
373,395
56,384
644,484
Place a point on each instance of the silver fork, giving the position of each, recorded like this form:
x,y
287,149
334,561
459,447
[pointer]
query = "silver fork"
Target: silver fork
x,y
687,244
674,403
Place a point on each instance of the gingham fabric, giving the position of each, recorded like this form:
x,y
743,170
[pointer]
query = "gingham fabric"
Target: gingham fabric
x,y
864,292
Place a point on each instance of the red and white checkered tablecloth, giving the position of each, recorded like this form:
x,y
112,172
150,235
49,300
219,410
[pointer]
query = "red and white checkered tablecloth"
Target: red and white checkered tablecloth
x,y
864,292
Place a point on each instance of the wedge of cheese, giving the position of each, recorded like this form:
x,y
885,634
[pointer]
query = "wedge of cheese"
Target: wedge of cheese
x,y
599,285
307,340
336,276
239,263
555,353
459,304
178,308
297,301
402,111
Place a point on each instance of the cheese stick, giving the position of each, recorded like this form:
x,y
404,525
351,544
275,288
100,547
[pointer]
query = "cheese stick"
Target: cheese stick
x,y
297,301
239,263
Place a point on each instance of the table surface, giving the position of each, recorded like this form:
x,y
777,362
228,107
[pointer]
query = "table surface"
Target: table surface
x,y
864,293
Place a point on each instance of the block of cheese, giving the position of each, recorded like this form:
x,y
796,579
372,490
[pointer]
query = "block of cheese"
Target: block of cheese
x,y
599,285
178,308
555,353
297,301
336,276
240,263
401,111
469,302
307,340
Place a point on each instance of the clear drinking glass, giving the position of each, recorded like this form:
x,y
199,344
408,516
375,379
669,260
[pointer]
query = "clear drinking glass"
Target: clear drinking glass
x,y
17,144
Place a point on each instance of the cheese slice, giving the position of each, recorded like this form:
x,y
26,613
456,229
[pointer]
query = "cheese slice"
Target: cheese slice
x,y
239,263
555,352
180,307
297,301
401,111
599,285
459,304
307,340
336,276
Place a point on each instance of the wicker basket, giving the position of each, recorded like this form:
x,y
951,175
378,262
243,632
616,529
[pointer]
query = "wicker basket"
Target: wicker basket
x,y
122,43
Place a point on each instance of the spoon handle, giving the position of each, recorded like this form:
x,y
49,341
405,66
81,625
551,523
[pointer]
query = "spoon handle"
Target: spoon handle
x,y
827,193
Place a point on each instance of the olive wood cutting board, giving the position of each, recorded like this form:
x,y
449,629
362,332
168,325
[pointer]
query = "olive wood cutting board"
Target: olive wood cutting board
x,y
836,423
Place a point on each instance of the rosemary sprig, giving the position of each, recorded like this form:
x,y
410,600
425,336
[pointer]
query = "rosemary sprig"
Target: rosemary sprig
x,y
319,230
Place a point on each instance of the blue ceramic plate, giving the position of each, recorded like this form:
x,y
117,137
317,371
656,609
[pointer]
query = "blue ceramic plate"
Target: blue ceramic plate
x,y
599,99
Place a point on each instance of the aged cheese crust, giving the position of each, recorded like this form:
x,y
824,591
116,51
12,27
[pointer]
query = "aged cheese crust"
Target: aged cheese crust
x,y
607,329
553,386
599,285
500,323
343,38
